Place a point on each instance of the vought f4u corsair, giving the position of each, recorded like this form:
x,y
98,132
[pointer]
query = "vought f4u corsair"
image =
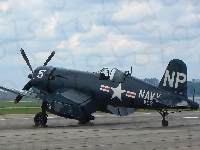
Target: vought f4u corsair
x,y
77,94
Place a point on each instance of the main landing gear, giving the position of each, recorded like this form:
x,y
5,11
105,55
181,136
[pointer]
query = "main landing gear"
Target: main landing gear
x,y
83,121
86,120
164,113
40,118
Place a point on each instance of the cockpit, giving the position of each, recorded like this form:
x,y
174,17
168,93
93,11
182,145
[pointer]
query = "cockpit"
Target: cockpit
x,y
114,75
103,74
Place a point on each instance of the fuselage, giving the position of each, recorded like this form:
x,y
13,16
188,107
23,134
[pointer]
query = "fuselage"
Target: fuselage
x,y
124,91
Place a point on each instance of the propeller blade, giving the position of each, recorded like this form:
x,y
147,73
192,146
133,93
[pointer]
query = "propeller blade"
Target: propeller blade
x,y
49,58
26,87
26,59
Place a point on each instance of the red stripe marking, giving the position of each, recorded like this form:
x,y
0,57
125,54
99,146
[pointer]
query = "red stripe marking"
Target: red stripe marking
x,y
106,88
131,93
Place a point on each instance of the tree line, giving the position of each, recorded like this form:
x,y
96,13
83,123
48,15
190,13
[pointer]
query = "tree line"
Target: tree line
x,y
193,86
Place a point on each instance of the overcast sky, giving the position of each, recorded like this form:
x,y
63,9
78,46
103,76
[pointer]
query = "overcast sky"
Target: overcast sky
x,y
91,34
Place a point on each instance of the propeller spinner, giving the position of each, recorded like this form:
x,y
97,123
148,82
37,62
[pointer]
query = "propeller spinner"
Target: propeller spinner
x,y
30,83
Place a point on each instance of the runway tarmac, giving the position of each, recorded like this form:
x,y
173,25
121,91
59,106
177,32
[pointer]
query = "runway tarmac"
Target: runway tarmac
x,y
140,131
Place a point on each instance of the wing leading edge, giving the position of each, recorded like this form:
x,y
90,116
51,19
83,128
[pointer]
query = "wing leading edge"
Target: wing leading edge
x,y
34,95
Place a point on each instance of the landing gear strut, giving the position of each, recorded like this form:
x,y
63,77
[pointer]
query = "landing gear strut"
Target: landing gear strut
x,y
164,113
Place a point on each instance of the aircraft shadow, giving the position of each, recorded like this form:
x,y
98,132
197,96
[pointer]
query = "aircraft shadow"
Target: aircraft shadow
x,y
121,125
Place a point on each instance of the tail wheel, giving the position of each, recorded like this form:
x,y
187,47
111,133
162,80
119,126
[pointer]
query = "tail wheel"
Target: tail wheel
x,y
165,123
40,119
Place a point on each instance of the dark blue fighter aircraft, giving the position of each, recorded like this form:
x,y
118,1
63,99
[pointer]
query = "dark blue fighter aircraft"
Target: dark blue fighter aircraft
x,y
77,95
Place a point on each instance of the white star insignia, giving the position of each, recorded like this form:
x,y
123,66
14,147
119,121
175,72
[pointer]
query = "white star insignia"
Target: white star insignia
x,y
117,92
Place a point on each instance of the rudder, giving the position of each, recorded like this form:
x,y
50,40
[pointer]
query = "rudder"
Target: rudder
x,y
175,78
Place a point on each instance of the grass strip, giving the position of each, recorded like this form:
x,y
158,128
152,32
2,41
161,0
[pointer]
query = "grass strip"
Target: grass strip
x,y
20,111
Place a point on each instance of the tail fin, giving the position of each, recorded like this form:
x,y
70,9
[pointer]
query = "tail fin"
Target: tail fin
x,y
175,78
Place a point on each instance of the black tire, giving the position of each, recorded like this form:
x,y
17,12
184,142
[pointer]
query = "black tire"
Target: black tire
x,y
165,123
40,119
83,121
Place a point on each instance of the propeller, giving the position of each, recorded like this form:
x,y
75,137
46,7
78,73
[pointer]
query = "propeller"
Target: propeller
x,y
26,59
30,83
49,58
26,87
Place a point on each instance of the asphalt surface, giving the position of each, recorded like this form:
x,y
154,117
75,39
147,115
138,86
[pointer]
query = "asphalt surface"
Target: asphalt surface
x,y
140,131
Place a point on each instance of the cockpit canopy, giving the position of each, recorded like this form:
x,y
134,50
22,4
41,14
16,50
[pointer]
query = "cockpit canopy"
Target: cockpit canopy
x,y
103,74
114,75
